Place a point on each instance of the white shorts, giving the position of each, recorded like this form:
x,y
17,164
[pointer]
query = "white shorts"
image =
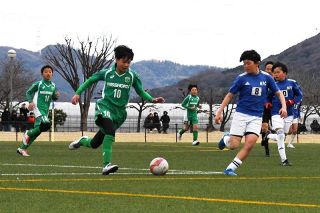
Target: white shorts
x,y
295,121
243,123
280,123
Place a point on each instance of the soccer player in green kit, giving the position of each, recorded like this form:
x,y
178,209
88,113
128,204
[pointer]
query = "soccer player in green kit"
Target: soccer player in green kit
x,y
39,96
191,104
110,112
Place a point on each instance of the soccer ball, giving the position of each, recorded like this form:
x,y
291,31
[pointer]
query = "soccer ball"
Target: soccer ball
x,y
159,166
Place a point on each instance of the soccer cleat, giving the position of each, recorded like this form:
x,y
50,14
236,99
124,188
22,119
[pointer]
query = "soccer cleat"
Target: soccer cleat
x,y
221,143
109,168
290,146
23,152
286,163
230,172
179,136
195,143
76,144
25,139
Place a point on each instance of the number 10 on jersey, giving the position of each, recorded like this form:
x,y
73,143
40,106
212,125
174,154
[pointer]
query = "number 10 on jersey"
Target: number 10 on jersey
x,y
116,93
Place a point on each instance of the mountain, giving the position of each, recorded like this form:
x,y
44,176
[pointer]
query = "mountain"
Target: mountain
x,y
302,60
153,73
156,73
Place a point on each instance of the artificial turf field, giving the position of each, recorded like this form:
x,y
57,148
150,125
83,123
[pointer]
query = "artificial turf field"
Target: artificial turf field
x,y
55,179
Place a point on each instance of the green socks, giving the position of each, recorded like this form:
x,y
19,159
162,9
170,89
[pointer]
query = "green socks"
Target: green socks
x,y
107,149
195,135
86,142
182,131
33,134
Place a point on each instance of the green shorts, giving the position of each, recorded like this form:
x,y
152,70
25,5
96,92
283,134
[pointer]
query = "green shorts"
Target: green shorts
x,y
116,114
193,120
41,118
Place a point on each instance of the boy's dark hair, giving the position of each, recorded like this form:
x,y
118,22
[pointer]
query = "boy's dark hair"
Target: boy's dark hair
x,y
46,67
269,62
251,55
123,51
283,67
191,86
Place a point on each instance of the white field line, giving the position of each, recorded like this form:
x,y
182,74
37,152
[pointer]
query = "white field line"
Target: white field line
x,y
118,173
146,171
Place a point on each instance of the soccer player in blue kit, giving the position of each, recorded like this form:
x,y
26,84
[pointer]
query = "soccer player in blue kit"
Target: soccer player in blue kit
x,y
252,86
293,96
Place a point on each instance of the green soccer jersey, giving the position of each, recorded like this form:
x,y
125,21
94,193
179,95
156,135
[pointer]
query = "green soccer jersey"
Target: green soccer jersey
x,y
41,94
191,103
116,88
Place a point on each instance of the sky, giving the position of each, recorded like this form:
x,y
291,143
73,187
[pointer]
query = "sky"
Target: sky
x,y
190,32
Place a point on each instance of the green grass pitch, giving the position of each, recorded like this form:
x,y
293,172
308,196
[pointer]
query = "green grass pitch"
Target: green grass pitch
x,y
55,179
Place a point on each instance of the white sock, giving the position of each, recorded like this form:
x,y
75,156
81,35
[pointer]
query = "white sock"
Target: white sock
x,y
281,146
293,136
273,137
234,164
226,140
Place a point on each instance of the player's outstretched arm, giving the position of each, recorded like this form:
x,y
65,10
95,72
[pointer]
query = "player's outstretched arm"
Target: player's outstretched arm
x,y
75,99
93,79
56,95
225,102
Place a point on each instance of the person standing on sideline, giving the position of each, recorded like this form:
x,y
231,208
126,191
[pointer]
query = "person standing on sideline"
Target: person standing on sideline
x,y
23,110
165,119
252,86
110,112
39,96
191,104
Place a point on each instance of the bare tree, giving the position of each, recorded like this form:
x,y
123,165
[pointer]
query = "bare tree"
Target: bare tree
x,y
75,64
142,105
22,80
226,115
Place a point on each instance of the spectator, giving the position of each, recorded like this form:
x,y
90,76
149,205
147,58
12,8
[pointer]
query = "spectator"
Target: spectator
x,y
302,129
148,122
22,122
15,120
315,126
5,119
156,122
165,119
24,111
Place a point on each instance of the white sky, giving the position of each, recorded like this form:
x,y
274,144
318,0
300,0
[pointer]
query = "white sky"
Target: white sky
x,y
207,32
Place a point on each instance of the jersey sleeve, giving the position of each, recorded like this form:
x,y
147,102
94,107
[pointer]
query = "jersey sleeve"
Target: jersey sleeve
x,y
185,102
54,97
236,85
297,92
99,76
272,86
30,92
137,85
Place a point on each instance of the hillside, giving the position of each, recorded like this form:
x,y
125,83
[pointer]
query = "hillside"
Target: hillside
x,y
153,73
302,60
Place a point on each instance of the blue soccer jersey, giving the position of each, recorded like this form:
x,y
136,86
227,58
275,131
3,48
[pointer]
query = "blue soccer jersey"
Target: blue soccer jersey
x,y
291,91
253,91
